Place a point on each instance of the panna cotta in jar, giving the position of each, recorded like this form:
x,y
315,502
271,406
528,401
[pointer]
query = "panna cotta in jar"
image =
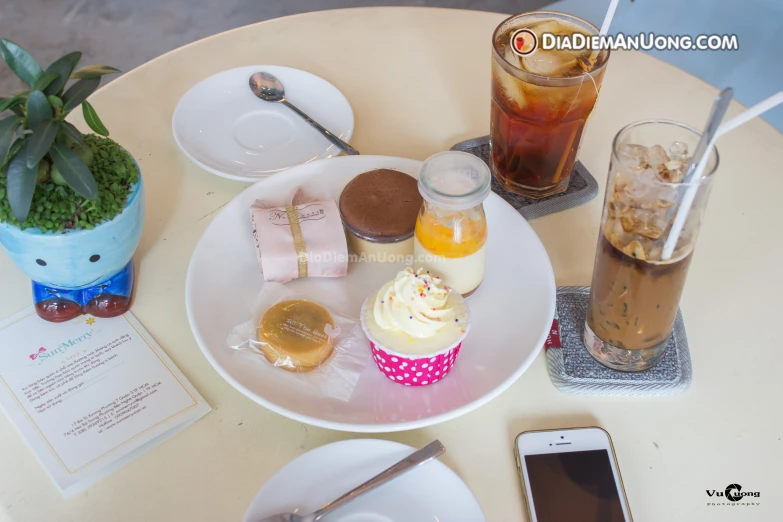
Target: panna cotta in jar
x,y
451,228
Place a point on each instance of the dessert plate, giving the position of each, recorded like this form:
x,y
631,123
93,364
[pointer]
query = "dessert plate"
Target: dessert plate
x,y
427,493
224,128
511,312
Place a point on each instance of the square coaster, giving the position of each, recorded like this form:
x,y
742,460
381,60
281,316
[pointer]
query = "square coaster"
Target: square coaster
x,y
581,189
573,370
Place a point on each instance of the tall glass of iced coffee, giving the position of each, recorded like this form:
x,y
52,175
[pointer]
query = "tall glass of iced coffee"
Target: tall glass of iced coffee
x,y
636,289
540,101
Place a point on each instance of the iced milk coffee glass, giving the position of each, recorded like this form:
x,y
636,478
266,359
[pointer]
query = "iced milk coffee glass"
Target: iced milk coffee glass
x,y
635,292
540,103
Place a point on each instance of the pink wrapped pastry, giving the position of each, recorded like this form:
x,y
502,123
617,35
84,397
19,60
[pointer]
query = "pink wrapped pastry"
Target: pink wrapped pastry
x,y
303,239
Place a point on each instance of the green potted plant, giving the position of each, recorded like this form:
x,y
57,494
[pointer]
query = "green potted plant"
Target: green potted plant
x,y
71,205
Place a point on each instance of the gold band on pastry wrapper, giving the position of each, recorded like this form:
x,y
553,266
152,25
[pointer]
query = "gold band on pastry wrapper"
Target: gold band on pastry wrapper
x,y
299,243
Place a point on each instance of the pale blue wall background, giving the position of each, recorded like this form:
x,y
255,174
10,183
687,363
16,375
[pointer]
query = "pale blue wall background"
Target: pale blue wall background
x,y
755,71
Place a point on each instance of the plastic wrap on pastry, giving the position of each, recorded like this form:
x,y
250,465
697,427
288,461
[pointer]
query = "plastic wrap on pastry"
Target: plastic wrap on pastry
x,y
319,347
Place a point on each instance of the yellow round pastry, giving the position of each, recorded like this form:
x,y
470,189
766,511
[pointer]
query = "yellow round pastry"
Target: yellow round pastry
x,y
293,335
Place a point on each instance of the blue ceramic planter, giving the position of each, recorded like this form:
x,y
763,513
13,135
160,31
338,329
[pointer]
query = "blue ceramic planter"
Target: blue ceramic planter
x,y
83,271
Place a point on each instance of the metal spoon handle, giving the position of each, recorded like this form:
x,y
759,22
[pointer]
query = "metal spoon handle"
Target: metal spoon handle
x,y
719,107
717,112
425,454
328,135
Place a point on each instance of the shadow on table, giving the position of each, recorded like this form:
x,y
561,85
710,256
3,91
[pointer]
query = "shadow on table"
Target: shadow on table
x,y
161,191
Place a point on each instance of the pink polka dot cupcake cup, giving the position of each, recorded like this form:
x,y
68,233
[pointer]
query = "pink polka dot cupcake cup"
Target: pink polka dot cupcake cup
x,y
408,369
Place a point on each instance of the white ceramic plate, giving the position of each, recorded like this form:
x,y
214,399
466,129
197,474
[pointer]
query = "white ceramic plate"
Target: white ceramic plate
x,y
511,311
428,493
224,128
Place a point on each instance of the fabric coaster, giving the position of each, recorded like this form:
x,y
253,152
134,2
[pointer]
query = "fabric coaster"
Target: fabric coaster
x,y
573,370
581,189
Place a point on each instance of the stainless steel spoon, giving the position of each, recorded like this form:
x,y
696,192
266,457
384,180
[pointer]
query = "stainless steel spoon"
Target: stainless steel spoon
x,y
267,87
425,454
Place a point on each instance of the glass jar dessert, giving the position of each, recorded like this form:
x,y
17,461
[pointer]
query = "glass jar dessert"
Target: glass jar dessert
x,y
378,209
451,229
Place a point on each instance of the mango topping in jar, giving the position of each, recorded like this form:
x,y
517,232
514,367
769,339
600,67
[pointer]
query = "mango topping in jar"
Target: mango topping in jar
x,y
456,234
451,229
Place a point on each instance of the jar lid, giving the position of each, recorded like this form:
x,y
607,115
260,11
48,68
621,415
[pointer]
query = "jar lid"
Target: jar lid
x,y
454,180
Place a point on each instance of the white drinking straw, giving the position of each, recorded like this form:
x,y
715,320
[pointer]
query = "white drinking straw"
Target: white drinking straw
x,y
751,113
604,28
685,204
690,194
609,16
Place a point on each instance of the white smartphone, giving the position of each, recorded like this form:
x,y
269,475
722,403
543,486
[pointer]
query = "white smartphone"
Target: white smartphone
x,y
571,475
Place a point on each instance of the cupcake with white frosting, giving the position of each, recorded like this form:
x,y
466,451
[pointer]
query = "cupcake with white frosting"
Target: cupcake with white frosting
x,y
416,326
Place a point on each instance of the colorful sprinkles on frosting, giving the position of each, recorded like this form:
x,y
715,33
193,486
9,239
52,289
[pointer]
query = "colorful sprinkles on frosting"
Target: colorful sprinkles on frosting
x,y
423,286
413,370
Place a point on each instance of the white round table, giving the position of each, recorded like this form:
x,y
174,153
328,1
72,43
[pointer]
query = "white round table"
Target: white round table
x,y
418,81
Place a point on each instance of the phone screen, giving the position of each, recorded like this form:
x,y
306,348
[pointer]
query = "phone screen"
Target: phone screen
x,y
577,486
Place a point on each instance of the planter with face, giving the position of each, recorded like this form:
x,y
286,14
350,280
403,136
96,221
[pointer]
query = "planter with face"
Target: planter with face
x,y
81,271
71,205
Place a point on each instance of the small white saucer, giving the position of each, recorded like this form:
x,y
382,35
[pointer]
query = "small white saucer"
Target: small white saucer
x,y
428,493
224,128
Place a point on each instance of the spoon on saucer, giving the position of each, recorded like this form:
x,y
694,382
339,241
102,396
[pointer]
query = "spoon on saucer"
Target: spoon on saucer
x,y
430,451
267,87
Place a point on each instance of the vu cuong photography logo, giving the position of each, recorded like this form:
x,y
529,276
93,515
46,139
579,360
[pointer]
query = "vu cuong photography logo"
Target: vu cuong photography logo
x,y
734,495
